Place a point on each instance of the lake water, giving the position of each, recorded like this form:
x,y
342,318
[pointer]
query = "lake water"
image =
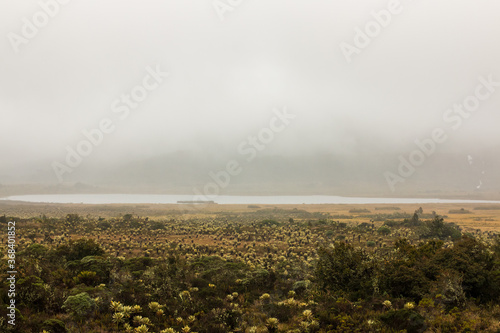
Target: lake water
x,y
226,199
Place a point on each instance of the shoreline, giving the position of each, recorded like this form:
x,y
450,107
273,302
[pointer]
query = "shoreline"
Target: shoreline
x,y
179,199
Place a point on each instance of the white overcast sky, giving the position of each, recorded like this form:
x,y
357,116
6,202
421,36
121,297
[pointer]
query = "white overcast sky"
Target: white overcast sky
x,y
227,76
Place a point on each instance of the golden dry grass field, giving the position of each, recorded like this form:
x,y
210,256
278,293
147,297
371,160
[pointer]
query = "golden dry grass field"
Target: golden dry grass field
x,y
485,217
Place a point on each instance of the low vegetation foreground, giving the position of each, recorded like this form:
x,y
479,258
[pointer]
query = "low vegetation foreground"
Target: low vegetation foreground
x,y
259,270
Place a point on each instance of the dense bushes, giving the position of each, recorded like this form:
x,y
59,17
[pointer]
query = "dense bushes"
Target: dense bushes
x,y
404,319
468,267
261,274
76,250
437,228
344,269
79,305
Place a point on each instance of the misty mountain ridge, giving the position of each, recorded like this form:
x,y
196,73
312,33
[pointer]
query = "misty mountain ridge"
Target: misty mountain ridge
x,y
318,173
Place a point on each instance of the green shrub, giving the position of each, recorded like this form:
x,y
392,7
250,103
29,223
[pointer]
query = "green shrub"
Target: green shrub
x,y
300,286
383,230
156,225
437,228
35,250
359,210
459,211
387,208
392,223
104,225
404,319
79,305
403,279
345,269
269,223
79,249
88,278
487,208
54,326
